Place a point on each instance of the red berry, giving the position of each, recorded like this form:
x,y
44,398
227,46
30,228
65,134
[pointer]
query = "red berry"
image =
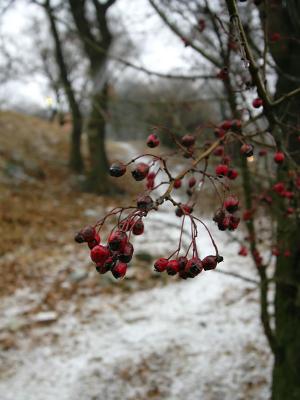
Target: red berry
x,y
94,242
179,212
219,216
288,194
102,269
219,132
243,251
144,203
161,264
247,215
151,175
224,224
279,157
138,227
231,204
99,254
79,238
226,125
233,222
88,233
262,152
209,262
193,267
247,150
172,267
279,187
182,261
201,25
188,140
117,241
287,253
257,103
119,270
117,170
152,141
187,209
109,263
232,174
150,184
221,170
223,74
126,254
236,125
177,183
290,210
185,41
275,251
226,160
140,172
275,37
192,182
219,151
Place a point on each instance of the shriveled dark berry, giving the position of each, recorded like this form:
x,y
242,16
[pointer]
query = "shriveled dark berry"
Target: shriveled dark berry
x,y
209,262
193,267
144,203
188,140
138,227
117,240
126,254
117,170
140,172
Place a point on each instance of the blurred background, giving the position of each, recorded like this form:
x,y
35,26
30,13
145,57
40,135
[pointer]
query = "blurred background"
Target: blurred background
x,y
82,84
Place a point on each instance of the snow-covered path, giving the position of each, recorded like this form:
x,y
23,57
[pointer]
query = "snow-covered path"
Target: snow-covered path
x,y
196,339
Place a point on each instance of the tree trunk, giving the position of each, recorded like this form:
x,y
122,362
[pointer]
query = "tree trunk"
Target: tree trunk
x,y
98,175
286,372
75,157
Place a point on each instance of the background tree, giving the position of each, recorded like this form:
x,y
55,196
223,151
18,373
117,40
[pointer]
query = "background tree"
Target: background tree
x,y
234,52
96,44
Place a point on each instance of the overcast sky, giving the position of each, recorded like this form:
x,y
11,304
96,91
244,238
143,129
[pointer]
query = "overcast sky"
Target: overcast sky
x,y
160,50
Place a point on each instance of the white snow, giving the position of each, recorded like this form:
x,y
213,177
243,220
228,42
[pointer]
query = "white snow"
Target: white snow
x,y
195,339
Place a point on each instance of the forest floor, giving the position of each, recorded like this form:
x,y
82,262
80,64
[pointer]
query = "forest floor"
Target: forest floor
x,y
67,333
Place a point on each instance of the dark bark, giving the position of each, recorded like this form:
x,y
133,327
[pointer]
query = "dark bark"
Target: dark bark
x,y
286,373
75,158
97,179
96,46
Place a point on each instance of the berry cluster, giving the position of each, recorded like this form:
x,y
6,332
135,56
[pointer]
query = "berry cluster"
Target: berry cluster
x,y
115,254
